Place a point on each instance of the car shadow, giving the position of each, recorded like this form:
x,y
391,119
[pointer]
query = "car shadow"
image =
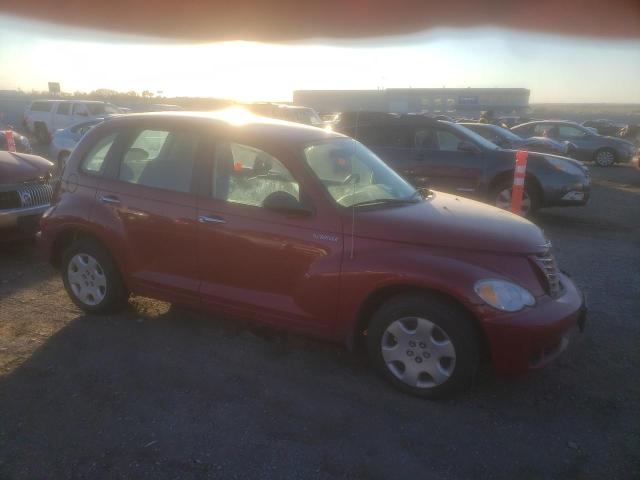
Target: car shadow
x,y
161,392
22,267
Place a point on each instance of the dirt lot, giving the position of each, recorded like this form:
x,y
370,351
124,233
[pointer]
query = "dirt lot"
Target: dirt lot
x,y
158,392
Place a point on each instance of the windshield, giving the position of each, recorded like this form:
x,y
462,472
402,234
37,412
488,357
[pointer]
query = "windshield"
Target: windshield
x,y
476,137
353,175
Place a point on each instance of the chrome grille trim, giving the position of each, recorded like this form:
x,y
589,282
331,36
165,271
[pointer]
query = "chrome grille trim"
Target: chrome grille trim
x,y
35,194
547,264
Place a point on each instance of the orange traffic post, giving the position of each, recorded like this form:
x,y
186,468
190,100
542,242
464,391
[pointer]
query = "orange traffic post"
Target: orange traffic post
x,y
11,143
518,181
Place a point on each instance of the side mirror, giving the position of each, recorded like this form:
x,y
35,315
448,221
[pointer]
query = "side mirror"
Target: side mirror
x,y
284,202
469,147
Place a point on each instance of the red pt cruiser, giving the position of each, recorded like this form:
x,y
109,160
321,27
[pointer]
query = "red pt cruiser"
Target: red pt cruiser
x,y
308,230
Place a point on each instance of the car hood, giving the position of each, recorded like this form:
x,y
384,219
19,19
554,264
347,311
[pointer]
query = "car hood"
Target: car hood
x,y
618,140
450,221
21,167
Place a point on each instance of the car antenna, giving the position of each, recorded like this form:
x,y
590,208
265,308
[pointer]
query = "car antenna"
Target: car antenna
x,y
353,204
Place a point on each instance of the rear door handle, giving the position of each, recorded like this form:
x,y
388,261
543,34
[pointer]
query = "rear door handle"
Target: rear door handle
x,y
110,199
211,219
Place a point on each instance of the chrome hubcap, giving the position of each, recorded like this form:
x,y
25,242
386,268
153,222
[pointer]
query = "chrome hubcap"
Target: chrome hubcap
x,y
503,200
87,279
418,352
604,158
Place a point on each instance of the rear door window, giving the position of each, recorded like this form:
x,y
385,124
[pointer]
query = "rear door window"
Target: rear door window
x,y
161,159
447,141
542,130
64,108
567,131
80,109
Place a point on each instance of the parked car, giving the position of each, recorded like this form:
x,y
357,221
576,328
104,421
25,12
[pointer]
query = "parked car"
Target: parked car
x,y
290,113
512,120
165,107
505,138
25,193
65,140
43,117
604,127
604,151
449,157
306,229
22,143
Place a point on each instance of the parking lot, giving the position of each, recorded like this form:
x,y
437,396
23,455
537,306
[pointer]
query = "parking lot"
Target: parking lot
x,y
159,392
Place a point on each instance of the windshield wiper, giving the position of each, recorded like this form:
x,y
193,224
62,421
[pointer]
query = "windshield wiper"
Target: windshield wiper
x,y
414,198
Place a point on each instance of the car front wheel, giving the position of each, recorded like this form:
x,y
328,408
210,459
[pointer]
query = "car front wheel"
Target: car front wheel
x,y
91,278
423,345
501,196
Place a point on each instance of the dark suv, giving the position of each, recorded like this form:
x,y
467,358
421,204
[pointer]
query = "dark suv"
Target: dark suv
x,y
308,230
449,157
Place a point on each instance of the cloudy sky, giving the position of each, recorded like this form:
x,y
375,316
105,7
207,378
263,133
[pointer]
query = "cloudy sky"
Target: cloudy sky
x,y
555,68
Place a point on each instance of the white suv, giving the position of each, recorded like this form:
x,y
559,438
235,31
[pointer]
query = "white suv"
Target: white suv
x,y
44,117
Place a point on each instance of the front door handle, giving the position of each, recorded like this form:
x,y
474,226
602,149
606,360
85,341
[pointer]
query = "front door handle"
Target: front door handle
x,y
110,199
211,219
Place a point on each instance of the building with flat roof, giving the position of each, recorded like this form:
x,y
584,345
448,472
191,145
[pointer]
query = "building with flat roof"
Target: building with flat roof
x,y
444,101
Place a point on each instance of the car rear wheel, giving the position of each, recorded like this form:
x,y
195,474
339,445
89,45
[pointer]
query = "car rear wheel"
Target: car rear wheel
x,y
605,157
91,278
423,345
502,196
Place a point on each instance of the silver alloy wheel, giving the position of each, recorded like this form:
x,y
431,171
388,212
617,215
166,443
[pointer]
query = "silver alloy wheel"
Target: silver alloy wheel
x,y
605,158
418,352
87,279
503,201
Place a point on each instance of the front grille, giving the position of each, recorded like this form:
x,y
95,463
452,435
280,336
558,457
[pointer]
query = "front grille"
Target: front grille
x,y
549,269
35,194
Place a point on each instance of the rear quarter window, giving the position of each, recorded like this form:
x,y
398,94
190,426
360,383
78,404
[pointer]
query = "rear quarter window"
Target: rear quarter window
x,y
41,106
93,162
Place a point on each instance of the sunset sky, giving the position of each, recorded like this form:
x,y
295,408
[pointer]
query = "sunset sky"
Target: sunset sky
x,y
556,69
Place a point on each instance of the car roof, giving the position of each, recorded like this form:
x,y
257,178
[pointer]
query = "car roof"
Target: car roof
x,y
487,125
51,100
238,118
550,122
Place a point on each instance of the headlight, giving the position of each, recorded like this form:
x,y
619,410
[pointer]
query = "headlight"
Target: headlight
x,y
565,166
503,295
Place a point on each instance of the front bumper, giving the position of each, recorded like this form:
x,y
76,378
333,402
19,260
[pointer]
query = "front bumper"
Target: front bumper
x,y
568,195
532,338
19,223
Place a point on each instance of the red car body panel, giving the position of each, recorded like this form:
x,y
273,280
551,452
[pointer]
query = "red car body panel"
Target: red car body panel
x,y
311,273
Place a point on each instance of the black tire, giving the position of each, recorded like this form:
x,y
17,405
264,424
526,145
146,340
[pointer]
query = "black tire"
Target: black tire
x,y
605,157
115,295
448,318
530,191
41,133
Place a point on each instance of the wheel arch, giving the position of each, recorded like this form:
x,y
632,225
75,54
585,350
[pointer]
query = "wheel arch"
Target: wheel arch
x,y
530,179
606,148
383,294
69,235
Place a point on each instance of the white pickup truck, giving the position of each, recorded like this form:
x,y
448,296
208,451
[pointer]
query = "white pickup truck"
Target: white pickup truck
x,y
44,117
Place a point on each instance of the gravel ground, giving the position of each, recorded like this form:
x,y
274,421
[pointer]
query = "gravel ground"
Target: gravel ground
x,y
159,392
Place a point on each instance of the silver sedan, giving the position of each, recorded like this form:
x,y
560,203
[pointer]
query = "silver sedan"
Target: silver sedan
x,y
65,140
